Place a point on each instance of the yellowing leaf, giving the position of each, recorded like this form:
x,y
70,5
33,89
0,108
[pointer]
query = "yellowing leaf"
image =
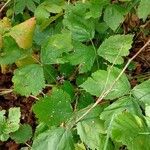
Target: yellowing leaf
x,y
23,33
5,25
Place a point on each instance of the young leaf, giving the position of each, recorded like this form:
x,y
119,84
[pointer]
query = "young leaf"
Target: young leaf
x,y
142,92
115,47
23,33
10,52
29,80
23,134
11,124
83,55
54,109
128,104
13,120
74,19
143,9
130,130
114,15
95,84
55,139
56,45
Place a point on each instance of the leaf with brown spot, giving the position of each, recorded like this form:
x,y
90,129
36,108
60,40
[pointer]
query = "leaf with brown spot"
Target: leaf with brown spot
x,y
23,33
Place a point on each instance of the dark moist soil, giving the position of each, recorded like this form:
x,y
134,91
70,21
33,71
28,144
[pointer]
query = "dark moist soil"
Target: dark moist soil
x,y
12,100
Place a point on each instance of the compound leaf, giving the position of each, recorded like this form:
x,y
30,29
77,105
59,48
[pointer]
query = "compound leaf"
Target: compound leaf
x,y
102,80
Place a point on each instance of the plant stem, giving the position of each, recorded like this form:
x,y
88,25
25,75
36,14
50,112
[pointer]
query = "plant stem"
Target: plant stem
x,y
4,6
112,85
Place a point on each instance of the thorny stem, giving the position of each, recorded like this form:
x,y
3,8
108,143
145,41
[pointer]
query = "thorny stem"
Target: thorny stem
x,y
110,88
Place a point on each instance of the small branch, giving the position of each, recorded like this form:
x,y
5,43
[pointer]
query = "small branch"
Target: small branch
x,y
4,6
110,88
5,91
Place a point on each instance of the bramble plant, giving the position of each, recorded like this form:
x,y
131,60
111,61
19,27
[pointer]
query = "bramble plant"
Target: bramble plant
x,y
76,50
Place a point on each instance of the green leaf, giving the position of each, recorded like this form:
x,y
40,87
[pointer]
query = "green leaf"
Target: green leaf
x,y
115,47
23,134
83,55
95,84
55,139
9,125
128,104
29,80
10,52
86,129
129,129
42,13
84,100
20,5
142,92
143,9
54,109
91,130
13,120
114,16
95,8
55,47
74,19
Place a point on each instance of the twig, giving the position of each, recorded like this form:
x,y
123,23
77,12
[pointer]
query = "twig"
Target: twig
x,y
4,6
110,88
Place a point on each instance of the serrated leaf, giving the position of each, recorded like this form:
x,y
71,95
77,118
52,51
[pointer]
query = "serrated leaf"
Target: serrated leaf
x,y
5,25
128,104
115,47
10,51
95,84
55,139
54,109
23,33
23,134
142,92
13,120
74,19
143,9
130,130
11,124
55,47
83,55
86,129
114,16
29,80
20,5
95,8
